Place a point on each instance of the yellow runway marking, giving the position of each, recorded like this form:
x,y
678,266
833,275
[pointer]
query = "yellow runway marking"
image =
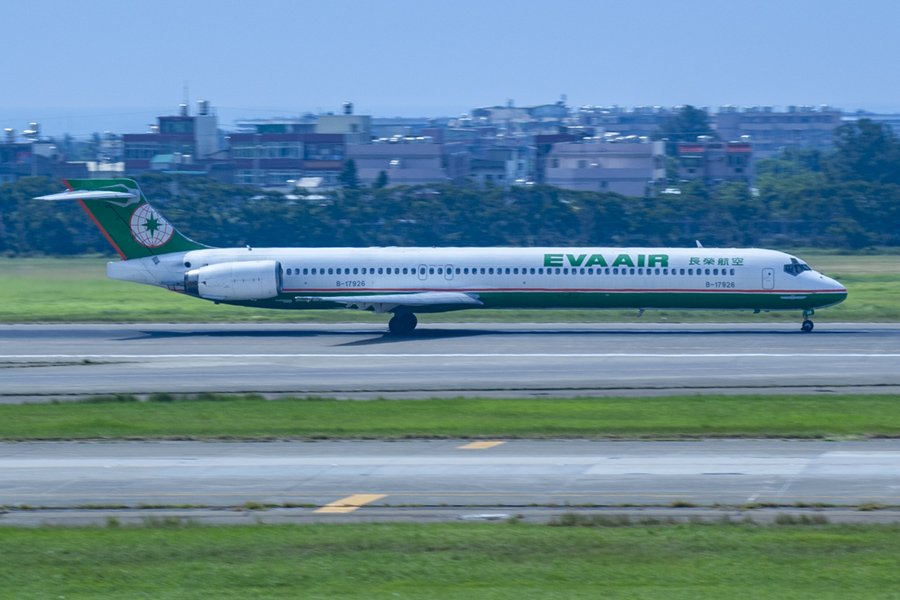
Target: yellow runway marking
x,y
349,504
479,445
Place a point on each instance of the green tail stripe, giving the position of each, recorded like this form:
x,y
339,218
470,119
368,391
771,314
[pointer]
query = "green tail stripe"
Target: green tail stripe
x,y
132,225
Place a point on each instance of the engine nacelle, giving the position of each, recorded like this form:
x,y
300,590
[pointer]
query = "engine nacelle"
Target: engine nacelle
x,y
250,280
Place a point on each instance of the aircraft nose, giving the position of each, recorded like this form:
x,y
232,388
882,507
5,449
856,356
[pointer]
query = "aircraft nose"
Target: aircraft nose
x,y
832,285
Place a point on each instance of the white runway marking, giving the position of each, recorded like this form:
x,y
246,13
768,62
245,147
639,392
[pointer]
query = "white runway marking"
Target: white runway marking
x,y
475,355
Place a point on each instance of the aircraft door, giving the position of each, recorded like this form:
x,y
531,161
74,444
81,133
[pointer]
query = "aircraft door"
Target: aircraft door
x,y
448,272
768,279
423,272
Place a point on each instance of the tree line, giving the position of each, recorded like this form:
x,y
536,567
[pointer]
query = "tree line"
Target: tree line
x,y
847,198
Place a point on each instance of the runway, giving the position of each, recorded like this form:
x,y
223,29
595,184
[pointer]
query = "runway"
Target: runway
x,y
340,477
362,361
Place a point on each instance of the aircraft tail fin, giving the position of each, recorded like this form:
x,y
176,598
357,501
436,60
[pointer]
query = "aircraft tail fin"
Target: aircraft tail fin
x,y
129,222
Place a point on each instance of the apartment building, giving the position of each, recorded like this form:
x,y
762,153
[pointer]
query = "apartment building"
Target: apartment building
x,y
410,161
629,167
772,131
715,162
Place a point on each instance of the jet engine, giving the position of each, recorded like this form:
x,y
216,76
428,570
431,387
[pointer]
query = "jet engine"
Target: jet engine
x,y
250,280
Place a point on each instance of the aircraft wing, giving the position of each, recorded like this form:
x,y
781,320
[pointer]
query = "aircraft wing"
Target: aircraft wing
x,y
382,303
88,195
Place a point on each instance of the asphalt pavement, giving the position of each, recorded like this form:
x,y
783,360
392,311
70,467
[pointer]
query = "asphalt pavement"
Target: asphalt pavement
x,y
469,359
459,473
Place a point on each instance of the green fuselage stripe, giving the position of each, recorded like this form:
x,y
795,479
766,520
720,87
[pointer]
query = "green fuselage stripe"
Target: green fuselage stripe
x,y
604,299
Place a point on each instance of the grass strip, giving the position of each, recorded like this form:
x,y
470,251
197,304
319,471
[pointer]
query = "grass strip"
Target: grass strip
x,y
250,417
43,290
165,560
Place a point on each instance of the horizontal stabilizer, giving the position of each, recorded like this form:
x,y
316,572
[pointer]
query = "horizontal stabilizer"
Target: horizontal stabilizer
x,y
88,195
381,303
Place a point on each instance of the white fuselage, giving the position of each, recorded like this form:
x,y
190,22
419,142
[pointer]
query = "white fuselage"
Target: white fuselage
x,y
716,278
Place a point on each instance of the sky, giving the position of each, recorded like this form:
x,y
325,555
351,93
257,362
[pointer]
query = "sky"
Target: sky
x,y
83,66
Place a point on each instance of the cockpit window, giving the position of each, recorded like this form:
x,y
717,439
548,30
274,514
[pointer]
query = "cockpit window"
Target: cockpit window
x,y
795,267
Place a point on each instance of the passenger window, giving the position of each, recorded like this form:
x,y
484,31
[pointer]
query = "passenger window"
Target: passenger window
x,y
607,270
491,271
732,272
657,272
422,270
707,271
331,270
616,271
404,270
515,271
288,272
566,271
715,271
632,271
355,271
640,271
541,271
532,270
305,271
690,271
507,270
558,270
482,270
440,270
582,270
590,271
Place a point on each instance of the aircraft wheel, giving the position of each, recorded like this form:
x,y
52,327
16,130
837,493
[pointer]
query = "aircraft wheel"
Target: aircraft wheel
x,y
403,323
807,326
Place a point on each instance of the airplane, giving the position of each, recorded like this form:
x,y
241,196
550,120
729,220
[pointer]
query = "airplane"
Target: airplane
x,y
410,281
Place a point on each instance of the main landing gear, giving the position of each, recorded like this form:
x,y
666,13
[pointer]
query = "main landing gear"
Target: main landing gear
x,y
403,323
807,324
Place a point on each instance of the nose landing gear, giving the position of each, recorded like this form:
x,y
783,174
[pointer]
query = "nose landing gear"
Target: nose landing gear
x,y
402,323
807,324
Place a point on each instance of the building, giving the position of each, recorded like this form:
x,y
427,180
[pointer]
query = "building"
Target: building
x,y
771,131
355,128
278,159
501,166
34,157
715,162
638,121
191,138
510,119
610,164
387,127
892,120
410,161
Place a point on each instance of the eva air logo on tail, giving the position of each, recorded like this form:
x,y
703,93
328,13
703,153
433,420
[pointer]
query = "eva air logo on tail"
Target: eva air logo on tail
x,y
149,228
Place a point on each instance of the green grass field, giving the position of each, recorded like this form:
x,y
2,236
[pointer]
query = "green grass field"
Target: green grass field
x,y
224,417
453,561
44,290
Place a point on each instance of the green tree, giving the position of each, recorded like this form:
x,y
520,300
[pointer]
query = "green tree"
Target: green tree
x,y
685,126
866,151
381,181
348,176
